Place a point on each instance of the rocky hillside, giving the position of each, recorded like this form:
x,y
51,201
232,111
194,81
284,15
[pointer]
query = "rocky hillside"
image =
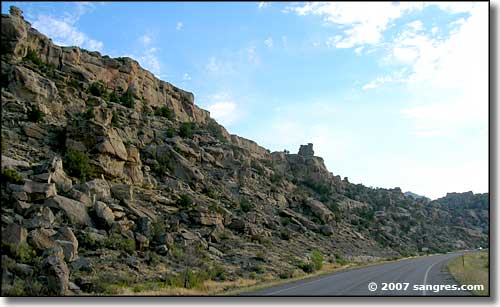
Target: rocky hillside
x,y
112,178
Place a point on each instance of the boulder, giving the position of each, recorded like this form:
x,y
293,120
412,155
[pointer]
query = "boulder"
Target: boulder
x,y
43,218
57,273
104,214
113,145
75,211
123,191
319,210
9,163
54,173
327,230
69,243
39,191
41,239
207,218
98,187
14,234
142,241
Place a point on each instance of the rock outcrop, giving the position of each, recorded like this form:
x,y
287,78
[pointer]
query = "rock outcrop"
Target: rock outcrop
x,y
110,175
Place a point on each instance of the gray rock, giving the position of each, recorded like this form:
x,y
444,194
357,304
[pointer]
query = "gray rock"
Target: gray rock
x,y
104,214
39,191
98,187
41,239
75,211
14,234
57,273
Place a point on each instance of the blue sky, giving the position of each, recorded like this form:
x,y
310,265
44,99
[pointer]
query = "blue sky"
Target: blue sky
x,y
391,94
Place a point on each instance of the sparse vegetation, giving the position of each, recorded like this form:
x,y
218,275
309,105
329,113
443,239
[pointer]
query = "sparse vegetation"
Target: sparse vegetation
x,y
471,269
165,111
246,205
127,99
78,164
97,89
33,57
186,129
185,201
119,242
35,115
317,259
11,176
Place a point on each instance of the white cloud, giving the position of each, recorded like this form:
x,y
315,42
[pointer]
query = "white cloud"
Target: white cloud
x,y
284,41
150,61
212,65
416,25
263,5
146,39
269,42
365,22
223,108
252,55
64,32
455,71
186,77
358,50
179,25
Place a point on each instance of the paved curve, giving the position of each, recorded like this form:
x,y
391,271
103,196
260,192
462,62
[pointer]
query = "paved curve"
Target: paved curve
x,y
429,270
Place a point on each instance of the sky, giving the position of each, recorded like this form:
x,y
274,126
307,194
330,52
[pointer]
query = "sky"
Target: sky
x,y
390,94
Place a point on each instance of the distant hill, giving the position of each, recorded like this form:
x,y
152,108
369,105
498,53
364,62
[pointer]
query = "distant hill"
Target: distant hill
x,y
414,195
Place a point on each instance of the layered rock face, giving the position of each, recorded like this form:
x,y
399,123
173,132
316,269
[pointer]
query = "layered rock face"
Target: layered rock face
x,y
111,177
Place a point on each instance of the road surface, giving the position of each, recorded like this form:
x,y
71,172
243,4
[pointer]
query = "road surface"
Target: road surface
x,y
416,272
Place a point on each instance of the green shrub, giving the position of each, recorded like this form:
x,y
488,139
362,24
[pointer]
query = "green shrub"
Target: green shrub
x,y
317,259
286,274
246,205
340,260
113,97
170,132
164,111
217,272
88,114
33,57
215,130
114,119
127,99
188,279
164,165
213,207
119,242
9,175
185,201
77,164
23,253
285,234
307,267
210,192
186,129
97,89
35,115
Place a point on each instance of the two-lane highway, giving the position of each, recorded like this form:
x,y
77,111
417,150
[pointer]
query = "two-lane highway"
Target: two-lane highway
x,y
415,272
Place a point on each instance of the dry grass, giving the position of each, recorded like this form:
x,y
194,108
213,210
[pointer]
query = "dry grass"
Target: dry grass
x,y
209,287
475,271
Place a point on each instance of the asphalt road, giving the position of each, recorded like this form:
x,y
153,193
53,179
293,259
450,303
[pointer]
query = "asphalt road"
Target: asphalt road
x,y
429,270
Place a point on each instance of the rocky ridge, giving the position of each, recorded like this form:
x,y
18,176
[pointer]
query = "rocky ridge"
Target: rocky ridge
x,y
113,178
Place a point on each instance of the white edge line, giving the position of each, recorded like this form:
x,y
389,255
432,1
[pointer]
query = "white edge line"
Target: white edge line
x,y
425,277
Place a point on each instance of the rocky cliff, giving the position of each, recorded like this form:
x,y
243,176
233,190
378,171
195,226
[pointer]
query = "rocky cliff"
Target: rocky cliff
x,y
113,179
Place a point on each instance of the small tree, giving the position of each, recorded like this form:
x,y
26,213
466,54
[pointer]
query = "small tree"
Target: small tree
x,y
317,259
35,115
77,164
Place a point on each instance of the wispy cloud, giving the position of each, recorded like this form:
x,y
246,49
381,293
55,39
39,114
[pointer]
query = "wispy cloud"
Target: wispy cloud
x,y
64,31
263,5
147,54
269,42
179,25
223,108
